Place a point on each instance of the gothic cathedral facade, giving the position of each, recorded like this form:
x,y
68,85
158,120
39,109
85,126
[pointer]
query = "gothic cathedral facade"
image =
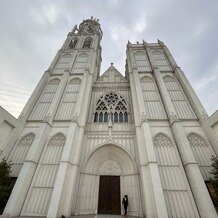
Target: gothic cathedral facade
x,y
88,140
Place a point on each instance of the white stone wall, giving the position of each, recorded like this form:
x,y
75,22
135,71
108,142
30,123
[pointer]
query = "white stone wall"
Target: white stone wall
x,y
10,128
162,154
5,132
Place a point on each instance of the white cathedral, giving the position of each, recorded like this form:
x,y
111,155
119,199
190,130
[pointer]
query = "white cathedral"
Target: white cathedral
x,y
85,140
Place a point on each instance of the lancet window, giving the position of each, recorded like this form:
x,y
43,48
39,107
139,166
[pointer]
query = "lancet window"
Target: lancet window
x,y
19,153
87,43
111,107
73,43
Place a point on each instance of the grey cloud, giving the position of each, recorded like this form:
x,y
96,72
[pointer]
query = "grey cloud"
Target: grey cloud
x,y
33,31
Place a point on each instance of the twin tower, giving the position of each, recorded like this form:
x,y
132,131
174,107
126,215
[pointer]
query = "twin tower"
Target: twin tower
x,y
87,140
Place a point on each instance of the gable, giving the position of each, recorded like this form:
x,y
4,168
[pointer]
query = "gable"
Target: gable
x,y
112,75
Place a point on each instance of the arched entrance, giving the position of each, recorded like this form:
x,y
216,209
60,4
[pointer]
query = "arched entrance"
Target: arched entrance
x,y
113,168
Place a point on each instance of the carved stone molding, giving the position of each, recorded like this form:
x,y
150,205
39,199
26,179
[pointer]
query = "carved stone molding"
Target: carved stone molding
x,y
173,118
47,119
110,141
105,126
21,117
155,48
27,140
204,116
97,127
162,141
75,119
144,118
90,26
196,141
109,167
120,85
123,127
58,140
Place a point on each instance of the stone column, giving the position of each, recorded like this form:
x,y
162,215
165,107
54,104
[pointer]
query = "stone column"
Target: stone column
x,y
65,185
20,190
11,141
72,60
153,204
60,203
80,42
197,106
192,97
198,187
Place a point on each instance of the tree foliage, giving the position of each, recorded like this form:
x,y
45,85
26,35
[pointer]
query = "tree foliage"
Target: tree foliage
x,y
5,182
214,172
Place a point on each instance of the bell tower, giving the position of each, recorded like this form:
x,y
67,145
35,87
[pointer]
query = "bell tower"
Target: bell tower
x,y
81,50
54,121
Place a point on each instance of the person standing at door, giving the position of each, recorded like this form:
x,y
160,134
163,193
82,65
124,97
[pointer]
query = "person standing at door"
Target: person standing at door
x,y
125,203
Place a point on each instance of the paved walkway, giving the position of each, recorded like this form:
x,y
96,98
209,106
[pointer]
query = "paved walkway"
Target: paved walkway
x,y
102,216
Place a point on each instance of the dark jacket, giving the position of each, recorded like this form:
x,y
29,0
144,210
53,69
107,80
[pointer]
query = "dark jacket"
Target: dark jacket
x,y
125,202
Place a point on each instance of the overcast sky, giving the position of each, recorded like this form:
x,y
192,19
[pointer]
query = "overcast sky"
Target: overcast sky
x,y
31,32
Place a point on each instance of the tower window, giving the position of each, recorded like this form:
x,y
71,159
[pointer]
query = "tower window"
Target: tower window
x,y
73,43
112,107
87,43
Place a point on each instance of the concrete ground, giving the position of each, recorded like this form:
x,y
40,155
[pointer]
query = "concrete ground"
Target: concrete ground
x,y
102,216
84,216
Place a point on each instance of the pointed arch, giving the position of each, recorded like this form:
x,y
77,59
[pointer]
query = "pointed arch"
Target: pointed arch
x,y
146,79
152,100
108,159
87,42
202,151
178,98
53,81
62,64
69,100
173,179
142,61
113,151
75,80
80,63
39,196
161,143
112,106
19,153
57,140
45,100
73,43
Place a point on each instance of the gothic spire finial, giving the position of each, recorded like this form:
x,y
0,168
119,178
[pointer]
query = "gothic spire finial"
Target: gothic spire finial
x,y
90,26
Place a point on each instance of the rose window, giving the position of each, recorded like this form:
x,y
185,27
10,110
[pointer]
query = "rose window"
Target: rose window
x,y
111,107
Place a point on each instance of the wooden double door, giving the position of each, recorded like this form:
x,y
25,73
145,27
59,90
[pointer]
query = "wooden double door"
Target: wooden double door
x,y
109,195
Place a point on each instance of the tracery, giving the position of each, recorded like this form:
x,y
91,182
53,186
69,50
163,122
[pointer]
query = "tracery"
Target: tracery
x,y
112,107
